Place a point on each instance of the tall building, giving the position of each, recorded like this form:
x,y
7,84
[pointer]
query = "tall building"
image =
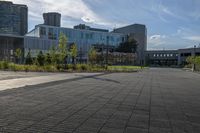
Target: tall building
x,y
139,33
13,27
52,19
13,18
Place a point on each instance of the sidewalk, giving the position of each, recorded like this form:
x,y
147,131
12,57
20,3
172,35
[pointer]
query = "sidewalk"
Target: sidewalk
x,y
21,82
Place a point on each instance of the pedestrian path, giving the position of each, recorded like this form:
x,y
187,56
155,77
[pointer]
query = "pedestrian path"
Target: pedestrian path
x,y
27,81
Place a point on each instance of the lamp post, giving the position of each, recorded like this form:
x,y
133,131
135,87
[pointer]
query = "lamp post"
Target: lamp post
x,y
193,69
107,43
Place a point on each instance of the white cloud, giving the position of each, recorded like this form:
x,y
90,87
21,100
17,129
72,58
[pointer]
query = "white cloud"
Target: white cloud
x,y
73,9
156,41
157,37
193,38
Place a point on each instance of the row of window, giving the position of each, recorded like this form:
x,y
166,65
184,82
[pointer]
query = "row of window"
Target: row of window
x,y
165,55
52,33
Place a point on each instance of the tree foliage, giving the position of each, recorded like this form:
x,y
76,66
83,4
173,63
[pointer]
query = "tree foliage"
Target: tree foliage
x,y
53,55
92,55
74,52
41,59
18,54
62,47
193,60
29,59
48,59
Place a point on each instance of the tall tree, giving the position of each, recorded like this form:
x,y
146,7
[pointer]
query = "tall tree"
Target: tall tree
x,y
62,47
74,52
48,58
53,54
41,58
18,54
29,59
92,55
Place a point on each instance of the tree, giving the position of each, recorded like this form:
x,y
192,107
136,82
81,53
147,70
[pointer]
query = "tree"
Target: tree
x,y
53,55
129,46
18,54
74,52
48,59
190,60
29,59
40,58
62,48
92,55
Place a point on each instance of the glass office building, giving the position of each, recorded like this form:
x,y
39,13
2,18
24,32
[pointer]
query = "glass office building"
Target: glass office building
x,y
43,37
13,18
13,26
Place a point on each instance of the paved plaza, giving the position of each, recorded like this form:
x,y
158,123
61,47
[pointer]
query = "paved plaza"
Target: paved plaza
x,y
156,100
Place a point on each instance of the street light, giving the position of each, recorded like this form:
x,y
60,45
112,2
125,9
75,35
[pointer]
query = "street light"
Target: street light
x,y
193,69
107,43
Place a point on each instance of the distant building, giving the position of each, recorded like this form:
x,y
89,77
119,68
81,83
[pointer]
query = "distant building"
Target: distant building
x,y
13,26
170,57
139,33
52,19
13,18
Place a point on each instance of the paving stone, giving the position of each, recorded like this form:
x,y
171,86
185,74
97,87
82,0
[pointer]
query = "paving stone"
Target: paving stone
x,y
135,130
109,103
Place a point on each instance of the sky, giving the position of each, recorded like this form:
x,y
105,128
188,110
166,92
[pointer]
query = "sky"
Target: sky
x,y
171,24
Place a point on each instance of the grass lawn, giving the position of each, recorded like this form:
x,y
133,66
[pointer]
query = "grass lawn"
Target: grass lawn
x,y
124,68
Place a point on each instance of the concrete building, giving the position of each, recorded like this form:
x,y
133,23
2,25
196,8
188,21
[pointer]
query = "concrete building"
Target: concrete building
x,y
52,19
162,58
139,33
13,26
170,57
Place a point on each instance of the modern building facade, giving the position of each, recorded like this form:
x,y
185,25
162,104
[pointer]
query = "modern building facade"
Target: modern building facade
x,y
43,37
139,33
52,19
13,18
13,27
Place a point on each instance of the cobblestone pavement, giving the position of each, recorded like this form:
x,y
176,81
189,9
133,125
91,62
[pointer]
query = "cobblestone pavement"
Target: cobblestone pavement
x,y
5,75
27,80
153,101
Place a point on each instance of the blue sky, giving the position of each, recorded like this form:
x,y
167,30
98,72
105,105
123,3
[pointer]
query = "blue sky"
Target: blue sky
x,y
171,24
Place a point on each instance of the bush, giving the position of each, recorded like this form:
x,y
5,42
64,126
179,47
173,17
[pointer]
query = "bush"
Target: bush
x,y
69,66
74,67
82,67
50,68
4,65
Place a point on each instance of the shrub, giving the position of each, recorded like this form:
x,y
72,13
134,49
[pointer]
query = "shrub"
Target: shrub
x,y
50,68
40,59
74,67
69,66
82,67
4,65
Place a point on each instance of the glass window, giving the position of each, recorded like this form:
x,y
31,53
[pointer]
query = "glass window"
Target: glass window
x,y
42,31
50,33
82,35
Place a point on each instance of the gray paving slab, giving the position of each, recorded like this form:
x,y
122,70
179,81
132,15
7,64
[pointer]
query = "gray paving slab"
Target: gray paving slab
x,y
157,100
